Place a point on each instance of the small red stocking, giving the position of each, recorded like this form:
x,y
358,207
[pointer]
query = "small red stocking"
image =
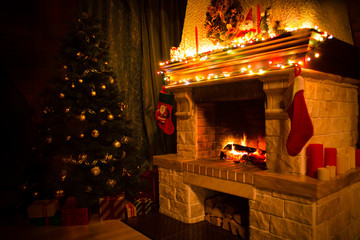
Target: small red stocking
x,y
301,126
163,112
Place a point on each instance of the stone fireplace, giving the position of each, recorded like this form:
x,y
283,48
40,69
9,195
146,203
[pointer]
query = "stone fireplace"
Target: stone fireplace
x,y
284,203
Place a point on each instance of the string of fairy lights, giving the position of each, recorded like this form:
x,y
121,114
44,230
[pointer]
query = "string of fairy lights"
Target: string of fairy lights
x,y
246,69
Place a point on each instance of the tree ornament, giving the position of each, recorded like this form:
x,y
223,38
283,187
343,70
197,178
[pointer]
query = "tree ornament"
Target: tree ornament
x,y
59,194
103,86
49,139
95,171
110,117
67,109
95,133
24,187
111,182
80,80
81,135
123,155
88,189
111,80
93,93
61,95
125,139
72,85
82,158
82,117
66,78
116,144
68,138
63,174
103,122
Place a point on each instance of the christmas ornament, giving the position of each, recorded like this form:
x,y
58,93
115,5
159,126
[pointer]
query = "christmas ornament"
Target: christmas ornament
x,y
123,155
125,173
24,187
103,122
35,194
82,158
163,112
110,117
66,78
95,133
116,144
72,85
88,189
125,139
111,80
63,174
80,80
61,95
301,126
93,93
103,86
68,138
95,171
81,135
111,182
67,109
49,139
59,194
82,117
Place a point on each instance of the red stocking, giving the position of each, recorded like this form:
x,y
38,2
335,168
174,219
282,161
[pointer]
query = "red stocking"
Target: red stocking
x,y
163,112
301,126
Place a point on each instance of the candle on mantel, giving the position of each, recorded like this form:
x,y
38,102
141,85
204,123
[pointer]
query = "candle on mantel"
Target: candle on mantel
x,y
196,40
341,164
314,159
357,157
332,170
351,152
330,156
323,174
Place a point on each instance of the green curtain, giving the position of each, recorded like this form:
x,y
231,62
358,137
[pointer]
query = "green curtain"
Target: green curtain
x,y
141,33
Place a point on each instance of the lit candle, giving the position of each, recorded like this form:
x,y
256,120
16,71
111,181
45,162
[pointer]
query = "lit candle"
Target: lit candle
x,y
314,159
330,156
196,40
323,174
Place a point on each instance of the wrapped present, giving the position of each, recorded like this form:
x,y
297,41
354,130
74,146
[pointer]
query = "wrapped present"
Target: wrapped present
x,y
112,207
130,210
74,216
43,209
143,206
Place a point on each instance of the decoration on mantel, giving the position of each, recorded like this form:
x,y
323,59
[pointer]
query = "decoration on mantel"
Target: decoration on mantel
x,y
163,112
243,50
302,128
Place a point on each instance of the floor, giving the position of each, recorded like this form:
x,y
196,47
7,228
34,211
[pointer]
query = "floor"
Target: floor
x,y
154,226
95,230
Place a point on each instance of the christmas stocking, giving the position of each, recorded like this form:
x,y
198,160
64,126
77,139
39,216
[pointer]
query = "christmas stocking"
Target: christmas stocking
x,y
163,112
301,126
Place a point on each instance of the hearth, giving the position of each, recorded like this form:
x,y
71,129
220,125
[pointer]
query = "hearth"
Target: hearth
x,y
243,90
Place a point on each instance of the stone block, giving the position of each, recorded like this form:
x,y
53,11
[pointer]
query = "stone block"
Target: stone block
x,y
181,195
179,208
293,198
268,204
259,220
302,213
327,209
290,229
164,203
166,191
273,127
164,177
197,210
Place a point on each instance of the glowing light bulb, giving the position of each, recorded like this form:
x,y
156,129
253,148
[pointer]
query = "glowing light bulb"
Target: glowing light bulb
x,y
317,55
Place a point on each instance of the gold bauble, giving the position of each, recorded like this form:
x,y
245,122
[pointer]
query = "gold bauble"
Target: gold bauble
x,y
66,78
49,139
116,144
61,95
111,182
68,138
95,133
111,80
80,80
59,194
72,85
82,158
125,139
88,189
93,93
103,86
110,117
95,171
81,135
82,117
103,122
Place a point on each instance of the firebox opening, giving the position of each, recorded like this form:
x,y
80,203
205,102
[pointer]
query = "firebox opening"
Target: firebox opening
x,y
238,122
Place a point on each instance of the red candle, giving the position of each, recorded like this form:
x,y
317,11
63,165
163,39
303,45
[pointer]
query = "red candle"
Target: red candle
x,y
196,40
357,157
314,159
330,155
258,18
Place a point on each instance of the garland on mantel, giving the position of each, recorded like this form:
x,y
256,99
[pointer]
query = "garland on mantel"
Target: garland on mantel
x,y
246,69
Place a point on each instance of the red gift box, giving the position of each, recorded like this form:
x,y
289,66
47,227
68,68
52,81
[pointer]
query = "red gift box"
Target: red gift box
x,y
112,207
74,216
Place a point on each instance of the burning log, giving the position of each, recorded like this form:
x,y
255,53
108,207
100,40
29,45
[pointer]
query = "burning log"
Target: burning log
x,y
239,153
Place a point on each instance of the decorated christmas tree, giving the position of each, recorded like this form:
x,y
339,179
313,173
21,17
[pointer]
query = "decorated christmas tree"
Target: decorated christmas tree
x,y
86,137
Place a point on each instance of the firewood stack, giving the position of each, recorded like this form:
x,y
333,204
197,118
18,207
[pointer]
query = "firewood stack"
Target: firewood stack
x,y
229,212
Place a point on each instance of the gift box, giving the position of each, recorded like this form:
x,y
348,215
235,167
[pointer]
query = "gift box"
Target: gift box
x,y
112,207
74,216
143,206
44,209
130,210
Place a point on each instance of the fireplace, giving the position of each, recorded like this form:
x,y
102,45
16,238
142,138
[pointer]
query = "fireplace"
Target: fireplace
x,y
225,95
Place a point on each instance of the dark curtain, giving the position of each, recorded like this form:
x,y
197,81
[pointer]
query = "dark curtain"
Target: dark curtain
x,y
141,33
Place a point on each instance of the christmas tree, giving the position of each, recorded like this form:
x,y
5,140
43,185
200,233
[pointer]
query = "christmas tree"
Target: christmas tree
x,y
85,132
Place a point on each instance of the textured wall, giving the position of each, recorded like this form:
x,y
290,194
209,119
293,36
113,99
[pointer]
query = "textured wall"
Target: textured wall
x,y
328,15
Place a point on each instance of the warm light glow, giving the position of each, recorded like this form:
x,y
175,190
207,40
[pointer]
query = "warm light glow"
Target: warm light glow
x,y
317,55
